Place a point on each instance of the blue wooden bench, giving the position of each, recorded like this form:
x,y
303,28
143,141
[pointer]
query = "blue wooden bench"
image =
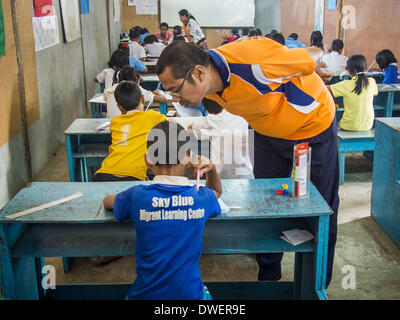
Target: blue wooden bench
x,y
353,141
82,228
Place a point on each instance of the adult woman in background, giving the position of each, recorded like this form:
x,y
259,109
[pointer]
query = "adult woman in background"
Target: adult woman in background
x,y
192,29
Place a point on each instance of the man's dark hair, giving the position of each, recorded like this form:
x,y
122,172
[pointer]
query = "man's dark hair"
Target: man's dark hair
x,y
337,45
128,95
167,143
384,58
134,34
212,106
294,36
278,37
181,56
164,24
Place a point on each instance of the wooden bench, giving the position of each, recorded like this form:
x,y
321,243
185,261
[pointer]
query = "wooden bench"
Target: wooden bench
x,y
349,141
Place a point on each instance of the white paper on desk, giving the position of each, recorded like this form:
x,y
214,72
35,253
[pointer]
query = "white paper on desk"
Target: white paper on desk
x,y
224,207
99,99
187,112
104,126
297,236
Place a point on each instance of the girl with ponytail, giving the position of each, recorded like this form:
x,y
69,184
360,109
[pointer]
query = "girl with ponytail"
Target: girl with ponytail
x,y
358,96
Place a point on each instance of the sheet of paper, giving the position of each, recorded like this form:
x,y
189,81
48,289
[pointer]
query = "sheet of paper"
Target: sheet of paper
x,y
297,236
104,126
224,207
146,7
98,99
186,112
45,31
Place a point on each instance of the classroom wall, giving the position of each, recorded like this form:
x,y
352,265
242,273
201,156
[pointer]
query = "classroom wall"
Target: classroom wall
x,y
55,81
267,17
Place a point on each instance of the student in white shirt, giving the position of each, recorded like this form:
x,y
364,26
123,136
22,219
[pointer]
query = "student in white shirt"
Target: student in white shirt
x,y
118,60
228,136
153,46
135,49
335,61
129,73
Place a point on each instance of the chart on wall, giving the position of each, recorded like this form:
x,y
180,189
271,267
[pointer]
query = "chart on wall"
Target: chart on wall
x,y
319,15
71,19
45,25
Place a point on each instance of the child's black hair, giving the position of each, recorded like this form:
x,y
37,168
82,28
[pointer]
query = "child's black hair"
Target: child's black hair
x,y
278,37
168,143
384,58
316,40
252,33
211,106
245,31
134,34
128,73
294,36
357,65
337,45
128,95
118,60
151,38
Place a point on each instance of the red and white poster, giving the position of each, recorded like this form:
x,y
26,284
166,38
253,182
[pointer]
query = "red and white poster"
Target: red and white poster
x,y
43,8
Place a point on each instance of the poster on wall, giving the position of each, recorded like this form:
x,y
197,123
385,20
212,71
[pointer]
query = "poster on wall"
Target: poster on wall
x,y
45,31
71,19
2,34
117,10
131,3
319,15
146,7
85,7
43,8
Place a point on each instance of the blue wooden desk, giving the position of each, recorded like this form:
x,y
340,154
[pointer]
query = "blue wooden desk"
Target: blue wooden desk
x,y
87,147
386,97
378,76
385,195
82,228
353,141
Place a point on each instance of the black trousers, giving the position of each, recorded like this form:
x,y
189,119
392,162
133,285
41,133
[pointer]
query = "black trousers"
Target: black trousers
x,y
273,158
104,177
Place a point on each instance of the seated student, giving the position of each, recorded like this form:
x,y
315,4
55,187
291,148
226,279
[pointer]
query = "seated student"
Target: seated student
x,y
164,36
388,63
169,216
129,73
358,96
125,161
177,31
135,49
136,63
293,43
228,136
278,37
233,37
152,46
118,60
335,61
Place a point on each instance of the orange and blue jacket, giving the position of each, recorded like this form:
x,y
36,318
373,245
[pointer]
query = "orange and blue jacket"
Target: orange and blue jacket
x,y
274,88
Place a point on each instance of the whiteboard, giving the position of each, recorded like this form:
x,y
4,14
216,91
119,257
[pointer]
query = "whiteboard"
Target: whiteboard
x,y
210,13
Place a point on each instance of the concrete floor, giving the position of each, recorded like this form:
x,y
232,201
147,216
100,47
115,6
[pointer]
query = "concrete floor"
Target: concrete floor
x,y
361,243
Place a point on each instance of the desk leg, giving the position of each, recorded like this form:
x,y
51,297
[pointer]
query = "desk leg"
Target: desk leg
x,y
342,164
71,163
311,267
389,106
19,277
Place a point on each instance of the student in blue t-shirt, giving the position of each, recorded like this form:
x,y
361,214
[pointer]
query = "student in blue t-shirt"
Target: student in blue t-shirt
x,y
388,63
134,62
169,217
293,43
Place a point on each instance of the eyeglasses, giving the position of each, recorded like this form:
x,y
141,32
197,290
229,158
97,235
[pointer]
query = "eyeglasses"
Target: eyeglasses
x,y
177,94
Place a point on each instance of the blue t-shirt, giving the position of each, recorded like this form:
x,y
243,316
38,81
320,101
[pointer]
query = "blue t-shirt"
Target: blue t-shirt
x,y
391,74
169,222
137,64
292,44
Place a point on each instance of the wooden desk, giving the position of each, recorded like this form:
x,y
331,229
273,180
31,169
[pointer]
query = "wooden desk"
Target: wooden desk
x,y
82,228
385,195
353,141
385,97
87,147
